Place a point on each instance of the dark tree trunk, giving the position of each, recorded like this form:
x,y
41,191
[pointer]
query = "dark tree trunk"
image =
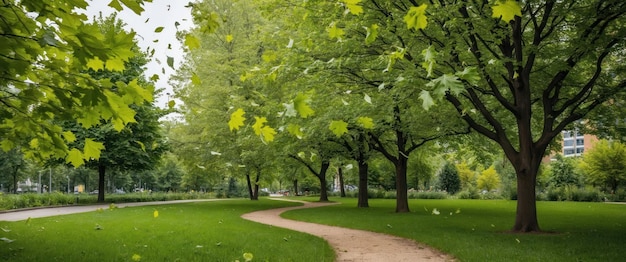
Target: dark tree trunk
x,y
526,216
15,183
101,173
250,193
295,187
256,185
363,199
342,189
402,201
322,177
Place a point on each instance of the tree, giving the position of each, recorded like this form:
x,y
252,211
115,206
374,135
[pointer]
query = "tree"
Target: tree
x,y
46,49
11,164
169,173
605,163
488,180
466,175
563,173
449,178
138,145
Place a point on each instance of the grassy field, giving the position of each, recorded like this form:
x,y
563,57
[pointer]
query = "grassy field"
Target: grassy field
x,y
476,230
203,231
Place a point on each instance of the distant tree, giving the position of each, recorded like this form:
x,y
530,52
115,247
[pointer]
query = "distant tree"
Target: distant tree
x,y
604,164
563,172
449,178
11,163
466,175
169,174
488,179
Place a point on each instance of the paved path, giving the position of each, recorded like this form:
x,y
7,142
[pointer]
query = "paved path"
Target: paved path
x,y
18,215
351,244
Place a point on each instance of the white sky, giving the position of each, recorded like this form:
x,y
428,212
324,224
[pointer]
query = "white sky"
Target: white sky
x,y
158,13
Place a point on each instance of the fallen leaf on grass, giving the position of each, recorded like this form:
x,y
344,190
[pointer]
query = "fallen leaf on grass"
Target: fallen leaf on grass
x,y
6,240
5,229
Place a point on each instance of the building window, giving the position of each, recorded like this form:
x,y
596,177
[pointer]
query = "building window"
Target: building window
x,y
568,142
580,142
567,134
568,152
579,150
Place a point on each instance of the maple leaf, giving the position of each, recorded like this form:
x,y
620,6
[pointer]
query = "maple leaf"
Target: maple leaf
x,y
334,32
416,17
92,149
115,4
258,125
446,82
469,74
338,127
267,134
427,100
236,119
366,122
372,34
115,64
295,130
353,6
191,42
95,64
229,38
300,104
507,10
75,157
429,55
69,136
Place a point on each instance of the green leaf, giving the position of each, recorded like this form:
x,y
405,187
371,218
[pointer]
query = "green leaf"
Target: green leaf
x,y
301,105
143,147
92,149
266,132
338,127
445,83
170,62
75,157
229,38
416,17
295,130
95,64
171,104
192,42
116,5
372,34
69,136
507,10
469,74
158,29
353,6
236,119
427,100
366,122
115,64
195,79
429,55
258,124
133,5
334,32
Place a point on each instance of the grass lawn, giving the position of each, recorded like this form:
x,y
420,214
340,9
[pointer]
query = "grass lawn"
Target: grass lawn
x,y
583,231
202,231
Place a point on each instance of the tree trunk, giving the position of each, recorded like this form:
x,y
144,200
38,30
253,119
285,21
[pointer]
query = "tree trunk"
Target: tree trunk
x,y
322,178
363,169
15,183
101,172
256,185
526,216
250,194
295,187
402,201
342,189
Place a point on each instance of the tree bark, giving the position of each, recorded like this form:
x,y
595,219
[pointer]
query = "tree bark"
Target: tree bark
x,y
402,201
363,200
295,187
526,215
101,173
249,187
322,177
256,185
342,190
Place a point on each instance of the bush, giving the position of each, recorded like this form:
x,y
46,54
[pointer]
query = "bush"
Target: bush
x,y
428,195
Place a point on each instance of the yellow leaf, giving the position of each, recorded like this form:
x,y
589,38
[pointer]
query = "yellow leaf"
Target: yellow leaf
x,y
300,103
195,79
338,127
267,134
416,17
95,64
156,213
75,157
92,149
136,257
236,119
334,32
229,38
258,125
69,136
192,42
295,130
507,10
115,64
366,122
248,256
353,6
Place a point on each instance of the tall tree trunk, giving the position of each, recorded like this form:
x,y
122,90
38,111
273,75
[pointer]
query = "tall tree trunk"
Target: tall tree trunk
x,y
402,200
322,177
15,183
526,216
363,169
256,185
101,172
342,189
295,187
250,193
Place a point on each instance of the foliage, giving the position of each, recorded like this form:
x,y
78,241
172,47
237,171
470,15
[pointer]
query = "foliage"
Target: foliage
x,y
466,175
449,180
604,164
45,53
202,231
489,179
563,172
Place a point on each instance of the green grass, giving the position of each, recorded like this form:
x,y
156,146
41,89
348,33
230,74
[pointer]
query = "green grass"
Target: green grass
x,y
584,231
202,231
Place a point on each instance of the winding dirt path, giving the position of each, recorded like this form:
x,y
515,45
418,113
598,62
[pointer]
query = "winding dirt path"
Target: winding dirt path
x,y
351,244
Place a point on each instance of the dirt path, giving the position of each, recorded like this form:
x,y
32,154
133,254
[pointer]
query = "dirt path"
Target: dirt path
x,y
350,244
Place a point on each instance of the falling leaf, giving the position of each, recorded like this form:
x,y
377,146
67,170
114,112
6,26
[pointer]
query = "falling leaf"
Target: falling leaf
x,y
98,227
435,211
366,122
229,38
156,213
170,61
247,256
389,226
458,211
517,240
199,246
353,6
6,239
416,17
5,229
136,257
158,29
192,42
334,32
507,10
338,127
218,244
367,98
236,119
